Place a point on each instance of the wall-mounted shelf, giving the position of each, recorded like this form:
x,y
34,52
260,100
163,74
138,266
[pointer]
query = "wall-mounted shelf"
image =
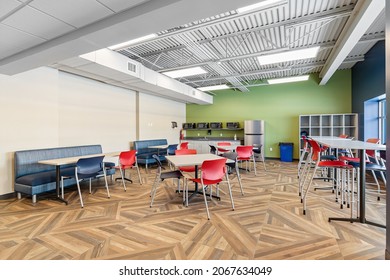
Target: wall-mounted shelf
x,y
328,125
230,129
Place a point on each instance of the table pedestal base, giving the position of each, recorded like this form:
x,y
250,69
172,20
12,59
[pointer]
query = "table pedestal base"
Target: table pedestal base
x,y
365,221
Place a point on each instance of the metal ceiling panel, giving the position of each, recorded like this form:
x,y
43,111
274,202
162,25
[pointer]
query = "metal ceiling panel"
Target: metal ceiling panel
x,y
7,6
228,47
37,23
15,40
120,5
72,12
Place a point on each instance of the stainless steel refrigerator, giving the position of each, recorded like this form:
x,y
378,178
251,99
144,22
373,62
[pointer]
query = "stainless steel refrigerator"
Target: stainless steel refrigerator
x,y
254,134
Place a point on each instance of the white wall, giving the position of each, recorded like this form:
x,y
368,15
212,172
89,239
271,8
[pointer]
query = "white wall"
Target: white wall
x,y
45,108
157,116
92,112
29,117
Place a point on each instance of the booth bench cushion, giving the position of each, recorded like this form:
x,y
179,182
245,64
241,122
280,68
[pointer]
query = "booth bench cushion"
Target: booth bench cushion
x,y
144,153
33,178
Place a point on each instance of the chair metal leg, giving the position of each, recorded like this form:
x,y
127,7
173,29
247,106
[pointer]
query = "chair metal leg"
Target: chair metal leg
x,y
230,191
254,164
239,179
305,192
205,201
79,191
105,180
153,191
139,174
123,179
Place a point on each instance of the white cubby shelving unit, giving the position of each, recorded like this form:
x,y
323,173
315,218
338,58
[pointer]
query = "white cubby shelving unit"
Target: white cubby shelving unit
x,y
328,125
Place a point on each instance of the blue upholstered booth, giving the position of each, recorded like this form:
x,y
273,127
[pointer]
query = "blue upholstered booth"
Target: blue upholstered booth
x,y
144,153
33,178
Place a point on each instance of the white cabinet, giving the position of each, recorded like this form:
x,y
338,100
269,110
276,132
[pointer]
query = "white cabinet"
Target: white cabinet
x,y
328,125
202,146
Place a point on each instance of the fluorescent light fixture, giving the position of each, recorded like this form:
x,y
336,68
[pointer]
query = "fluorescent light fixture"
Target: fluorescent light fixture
x,y
132,42
211,88
185,72
288,80
257,6
288,56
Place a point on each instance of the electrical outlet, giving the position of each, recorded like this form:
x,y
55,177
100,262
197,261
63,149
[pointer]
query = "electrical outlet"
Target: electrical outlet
x,y
270,149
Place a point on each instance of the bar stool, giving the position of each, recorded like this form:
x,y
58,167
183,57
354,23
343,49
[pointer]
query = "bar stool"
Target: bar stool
x,y
373,163
315,158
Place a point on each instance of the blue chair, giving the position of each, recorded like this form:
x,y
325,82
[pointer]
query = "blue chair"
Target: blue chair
x,y
88,168
171,149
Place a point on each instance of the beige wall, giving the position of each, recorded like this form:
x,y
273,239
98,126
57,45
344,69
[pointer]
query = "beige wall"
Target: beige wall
x,y
45,108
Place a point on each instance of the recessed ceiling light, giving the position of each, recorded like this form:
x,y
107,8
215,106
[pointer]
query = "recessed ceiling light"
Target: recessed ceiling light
x,y
288,56
185,72
257,6
288,80
132,42
211,88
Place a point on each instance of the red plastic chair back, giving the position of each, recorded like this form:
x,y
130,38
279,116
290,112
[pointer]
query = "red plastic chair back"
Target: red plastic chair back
x,y
214,170
186,152
371,153
223,144
127,158
343,136
184,145
244,152
316,149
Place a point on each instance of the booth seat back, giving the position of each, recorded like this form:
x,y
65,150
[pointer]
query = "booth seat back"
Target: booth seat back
x,y
26,162
142,146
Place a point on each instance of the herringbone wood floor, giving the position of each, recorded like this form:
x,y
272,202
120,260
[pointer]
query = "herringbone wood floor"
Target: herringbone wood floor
x,y
266,224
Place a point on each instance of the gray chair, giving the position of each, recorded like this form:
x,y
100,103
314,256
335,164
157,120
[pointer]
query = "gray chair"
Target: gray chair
x,y
259,151
213,149
161,176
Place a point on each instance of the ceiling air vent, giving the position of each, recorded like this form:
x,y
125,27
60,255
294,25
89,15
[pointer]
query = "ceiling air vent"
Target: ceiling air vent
x,y
131,67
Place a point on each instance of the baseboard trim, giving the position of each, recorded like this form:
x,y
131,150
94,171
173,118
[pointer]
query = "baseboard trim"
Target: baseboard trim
x,y
8,195
387,255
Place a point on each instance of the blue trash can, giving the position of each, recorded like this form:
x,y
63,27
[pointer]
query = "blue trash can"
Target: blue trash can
x,y
286,151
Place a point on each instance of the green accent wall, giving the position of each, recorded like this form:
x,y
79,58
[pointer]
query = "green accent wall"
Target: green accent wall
x,y
278,105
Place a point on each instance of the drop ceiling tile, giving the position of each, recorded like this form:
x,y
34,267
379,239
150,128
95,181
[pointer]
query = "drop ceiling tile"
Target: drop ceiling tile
x,y
74,12
120,5
37,23
7,6
14,41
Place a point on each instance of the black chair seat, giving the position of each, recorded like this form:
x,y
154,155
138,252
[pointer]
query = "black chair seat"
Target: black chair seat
x,y
171,174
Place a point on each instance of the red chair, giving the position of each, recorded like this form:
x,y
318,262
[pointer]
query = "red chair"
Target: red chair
x,y
186,152
183,145
245,154
213,173
315,158
186,169
220,150
127,160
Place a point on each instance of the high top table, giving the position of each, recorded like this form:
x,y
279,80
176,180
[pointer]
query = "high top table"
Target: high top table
x,y
361,146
